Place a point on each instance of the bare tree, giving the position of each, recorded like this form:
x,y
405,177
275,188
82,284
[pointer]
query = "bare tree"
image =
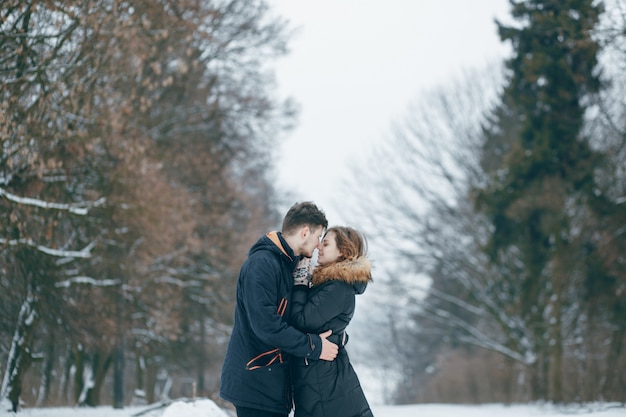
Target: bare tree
x,y
420,218
135,153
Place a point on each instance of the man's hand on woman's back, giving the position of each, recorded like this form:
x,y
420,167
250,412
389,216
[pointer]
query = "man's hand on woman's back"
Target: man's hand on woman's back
x,y
329,349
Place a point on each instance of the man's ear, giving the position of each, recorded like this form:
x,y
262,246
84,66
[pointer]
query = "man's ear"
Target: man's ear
x,y
304,232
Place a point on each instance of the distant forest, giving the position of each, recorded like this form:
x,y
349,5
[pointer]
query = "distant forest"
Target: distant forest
x,y
135,173
507,190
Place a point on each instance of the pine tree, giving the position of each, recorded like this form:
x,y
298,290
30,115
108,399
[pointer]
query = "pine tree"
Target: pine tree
x,y
547,174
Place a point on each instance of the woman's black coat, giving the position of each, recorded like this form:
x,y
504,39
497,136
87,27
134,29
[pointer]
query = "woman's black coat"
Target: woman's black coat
x,y
322,388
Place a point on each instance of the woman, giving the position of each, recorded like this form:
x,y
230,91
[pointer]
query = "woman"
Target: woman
x,y
321,388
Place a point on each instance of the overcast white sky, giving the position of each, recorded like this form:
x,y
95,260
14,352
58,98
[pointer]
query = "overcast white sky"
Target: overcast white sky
x,y
354,67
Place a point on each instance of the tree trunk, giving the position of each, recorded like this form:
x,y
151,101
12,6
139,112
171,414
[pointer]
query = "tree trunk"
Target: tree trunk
x,y
556,376
539,369
140,378
20,353
545,375
79,363
151,378
202,358
66,383
100,365
610,382
118,376
46,375
510,381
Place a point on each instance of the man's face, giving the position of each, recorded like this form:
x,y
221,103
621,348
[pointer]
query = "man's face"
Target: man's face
x,y
311,240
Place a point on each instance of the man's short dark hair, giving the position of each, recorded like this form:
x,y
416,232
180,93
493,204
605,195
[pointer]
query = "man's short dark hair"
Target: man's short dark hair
x,y
303,214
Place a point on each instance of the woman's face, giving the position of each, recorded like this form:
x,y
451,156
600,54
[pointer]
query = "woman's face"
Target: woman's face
x,y
328,251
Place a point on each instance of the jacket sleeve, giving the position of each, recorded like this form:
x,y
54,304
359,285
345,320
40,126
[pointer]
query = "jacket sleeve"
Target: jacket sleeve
x,y
312,313
265,315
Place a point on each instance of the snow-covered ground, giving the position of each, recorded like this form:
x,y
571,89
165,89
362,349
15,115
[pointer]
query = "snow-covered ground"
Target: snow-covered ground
x,y
207,408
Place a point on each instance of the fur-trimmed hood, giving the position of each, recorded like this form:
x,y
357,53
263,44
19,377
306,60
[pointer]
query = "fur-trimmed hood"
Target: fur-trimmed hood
x,y
357,272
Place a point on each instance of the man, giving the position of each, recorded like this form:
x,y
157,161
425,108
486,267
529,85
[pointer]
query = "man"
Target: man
x,y
255,374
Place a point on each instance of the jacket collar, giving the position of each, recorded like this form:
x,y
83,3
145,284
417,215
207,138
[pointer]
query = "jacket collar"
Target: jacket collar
x,y
351,271
279,241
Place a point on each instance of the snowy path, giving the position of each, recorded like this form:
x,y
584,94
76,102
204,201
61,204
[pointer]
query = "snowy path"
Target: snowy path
x,y
207,408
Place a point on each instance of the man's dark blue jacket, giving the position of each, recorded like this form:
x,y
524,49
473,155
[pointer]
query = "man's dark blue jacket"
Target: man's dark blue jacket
x,y
255,373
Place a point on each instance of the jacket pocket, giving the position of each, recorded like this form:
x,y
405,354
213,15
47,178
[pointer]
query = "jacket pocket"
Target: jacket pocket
x,y
271,356
265,359
270,385
282,307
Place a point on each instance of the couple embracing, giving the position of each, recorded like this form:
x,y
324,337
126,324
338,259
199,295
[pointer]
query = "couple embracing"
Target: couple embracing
x,y
288,342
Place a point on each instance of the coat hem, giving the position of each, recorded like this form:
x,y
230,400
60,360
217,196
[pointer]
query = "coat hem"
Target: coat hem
x,y
248,404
